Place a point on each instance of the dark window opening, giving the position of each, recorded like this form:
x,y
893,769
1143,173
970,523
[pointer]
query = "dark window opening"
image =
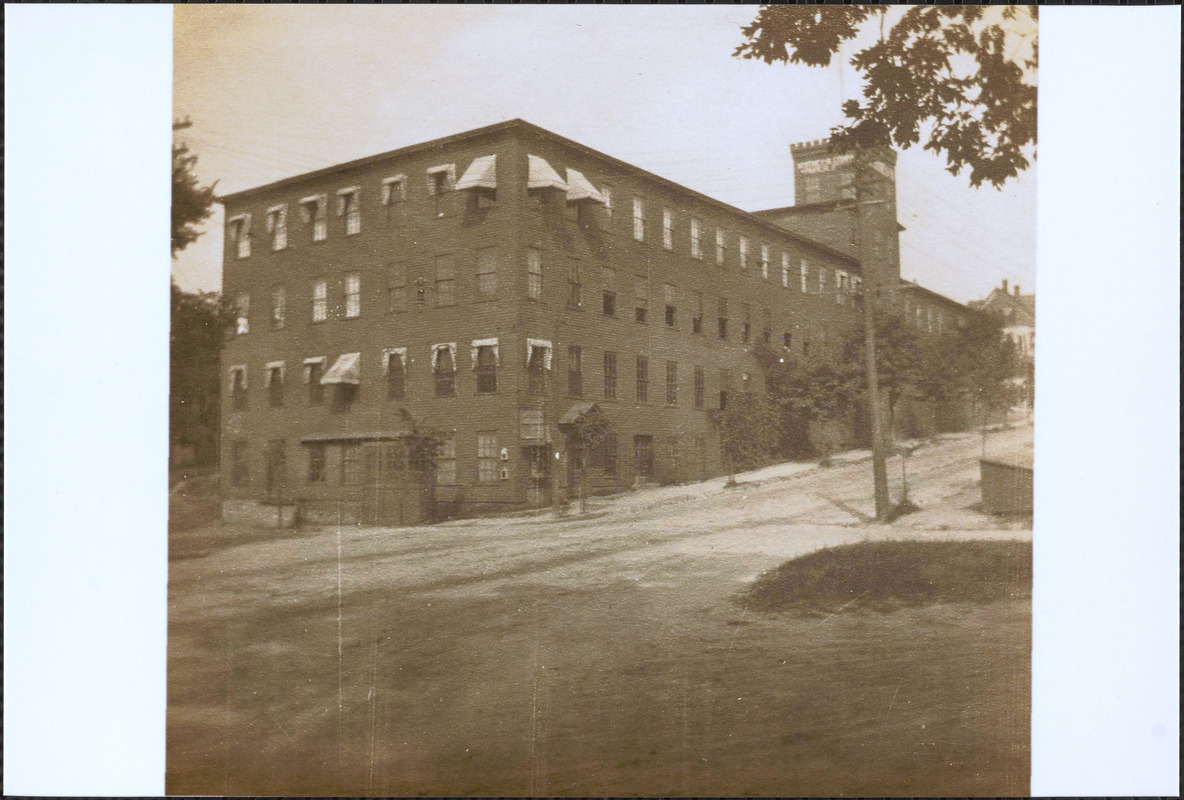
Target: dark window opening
x,y
316,462
276,387
609,303
610,376
445,368
575,372
643,456
643,379
486,369
536,372
396,377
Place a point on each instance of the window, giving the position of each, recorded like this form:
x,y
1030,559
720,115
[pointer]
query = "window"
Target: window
x,y
722,318
394,193
277,226
643,456
641,303
242,313
351,473
805,275
349,205
445,281
765,261
274,378
667,229
239,472
610,375
530,424
238,387
279,306
575,372
697,317
485,365
487,452
487,273
353,295
608,454
608,200
746,324
638,219
719,246
314,210
643,379
314,368
444,367
446,462
239,232
696,240
785,270
608,298
394,366
743,252
842,287
671,382
538,361
316,462
671,307
767,327
396,290
534,274
441,180
574,288
821,279
786,340
699,387
320,301
394,459
725,383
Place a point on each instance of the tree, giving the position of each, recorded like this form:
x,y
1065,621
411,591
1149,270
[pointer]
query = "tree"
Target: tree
x,y
423,448
748,431
901,364
805,392
197,326
961,77
586,435
192,202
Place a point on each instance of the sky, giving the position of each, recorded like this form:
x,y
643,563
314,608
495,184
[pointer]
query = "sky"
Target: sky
x,y
275,91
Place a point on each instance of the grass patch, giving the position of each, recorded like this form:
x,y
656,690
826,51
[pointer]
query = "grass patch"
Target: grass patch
x,y
888,575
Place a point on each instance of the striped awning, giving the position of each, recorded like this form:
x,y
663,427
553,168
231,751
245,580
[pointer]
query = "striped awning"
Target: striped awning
x,y
580,189
481,174
542,176
345,370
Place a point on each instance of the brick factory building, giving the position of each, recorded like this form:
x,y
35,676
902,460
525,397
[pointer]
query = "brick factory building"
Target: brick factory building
x,y
493,285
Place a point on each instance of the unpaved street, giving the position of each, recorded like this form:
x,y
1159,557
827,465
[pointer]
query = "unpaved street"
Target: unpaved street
x,y
601,654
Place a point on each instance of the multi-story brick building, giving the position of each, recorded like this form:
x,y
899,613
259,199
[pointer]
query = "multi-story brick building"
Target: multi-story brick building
x,y
489,285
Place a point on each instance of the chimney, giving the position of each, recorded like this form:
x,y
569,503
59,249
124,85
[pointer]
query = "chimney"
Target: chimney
x,y
1005,285
1017,290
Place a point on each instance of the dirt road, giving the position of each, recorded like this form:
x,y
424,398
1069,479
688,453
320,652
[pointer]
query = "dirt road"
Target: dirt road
x,y
601,655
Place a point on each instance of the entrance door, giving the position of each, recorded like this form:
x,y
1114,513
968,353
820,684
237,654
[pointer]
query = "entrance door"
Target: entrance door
x,y
537,475
276,463
385,496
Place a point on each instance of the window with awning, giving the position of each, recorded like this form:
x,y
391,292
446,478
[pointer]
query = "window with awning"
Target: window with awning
x,y
580,189
345,371
481,175
542,175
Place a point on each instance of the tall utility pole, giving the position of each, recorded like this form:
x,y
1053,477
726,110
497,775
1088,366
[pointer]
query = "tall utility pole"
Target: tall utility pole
x,y
871,293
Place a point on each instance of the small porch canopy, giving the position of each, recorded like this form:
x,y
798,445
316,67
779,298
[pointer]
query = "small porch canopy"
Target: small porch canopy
x,y
542,175
573,414
581,190
481,174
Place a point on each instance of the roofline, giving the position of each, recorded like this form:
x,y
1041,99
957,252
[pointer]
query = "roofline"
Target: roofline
x,y
912,285
563,140
367,160
829,205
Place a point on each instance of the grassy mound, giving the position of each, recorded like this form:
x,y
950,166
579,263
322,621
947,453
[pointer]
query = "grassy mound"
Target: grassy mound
x,y
887,575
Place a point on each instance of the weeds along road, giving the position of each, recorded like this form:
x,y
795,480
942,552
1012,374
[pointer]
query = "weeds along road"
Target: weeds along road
x,y
600,654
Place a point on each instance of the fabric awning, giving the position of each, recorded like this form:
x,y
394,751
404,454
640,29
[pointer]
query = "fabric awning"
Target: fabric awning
x,y
573,414
542,176
481,174
345,370
580,189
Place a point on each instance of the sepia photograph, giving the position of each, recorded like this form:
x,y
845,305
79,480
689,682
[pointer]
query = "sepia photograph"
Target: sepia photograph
x,y
602,401
589,401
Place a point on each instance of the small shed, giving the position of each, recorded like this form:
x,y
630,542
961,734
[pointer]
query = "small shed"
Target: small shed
x,y
1007,483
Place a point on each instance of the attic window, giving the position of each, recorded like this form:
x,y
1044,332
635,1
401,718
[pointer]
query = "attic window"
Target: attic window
x,y
394,189
349,205
441,181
